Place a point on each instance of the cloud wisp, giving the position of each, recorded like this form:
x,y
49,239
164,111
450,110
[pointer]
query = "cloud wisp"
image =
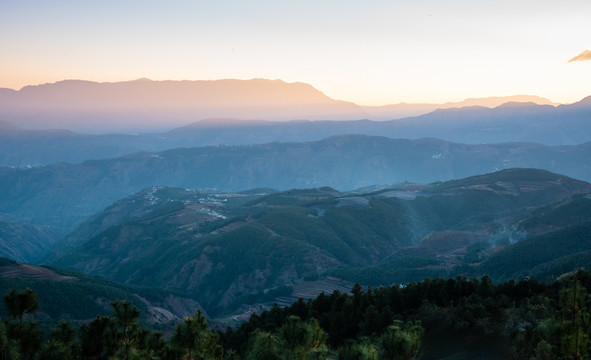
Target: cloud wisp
x,y
584,56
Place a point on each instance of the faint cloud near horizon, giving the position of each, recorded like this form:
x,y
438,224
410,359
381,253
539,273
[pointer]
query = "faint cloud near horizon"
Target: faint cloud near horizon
x,y
584,56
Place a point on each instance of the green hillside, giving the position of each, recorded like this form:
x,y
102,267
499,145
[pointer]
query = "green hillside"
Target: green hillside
x,y
543,256
572,210
231,250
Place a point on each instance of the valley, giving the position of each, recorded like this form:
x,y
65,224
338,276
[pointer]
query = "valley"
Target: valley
x,y
238,252
255,259
243,220
295,180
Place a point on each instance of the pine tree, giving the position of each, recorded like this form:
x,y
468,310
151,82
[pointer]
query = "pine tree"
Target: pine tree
x,y
195,339
21,302
574,302
9,349
400,342
263,345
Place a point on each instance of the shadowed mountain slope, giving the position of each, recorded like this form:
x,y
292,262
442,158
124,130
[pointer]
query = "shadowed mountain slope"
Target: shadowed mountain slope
x,y
26,243
72,296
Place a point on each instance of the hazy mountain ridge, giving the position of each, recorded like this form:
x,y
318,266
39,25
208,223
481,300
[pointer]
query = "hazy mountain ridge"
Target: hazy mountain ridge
x,y
64,194
144,105
403,110
32,148
562,125
510,122
266,245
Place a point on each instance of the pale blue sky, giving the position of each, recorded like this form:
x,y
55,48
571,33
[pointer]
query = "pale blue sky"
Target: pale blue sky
x,y
369,52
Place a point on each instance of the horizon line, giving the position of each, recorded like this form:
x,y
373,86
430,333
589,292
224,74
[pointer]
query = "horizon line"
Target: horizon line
x,y
401,102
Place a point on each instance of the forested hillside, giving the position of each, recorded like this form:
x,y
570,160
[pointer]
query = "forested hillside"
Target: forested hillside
x,y
457,318
233,252
76,297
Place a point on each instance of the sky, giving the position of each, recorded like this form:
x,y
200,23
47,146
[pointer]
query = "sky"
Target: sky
x,y
369,52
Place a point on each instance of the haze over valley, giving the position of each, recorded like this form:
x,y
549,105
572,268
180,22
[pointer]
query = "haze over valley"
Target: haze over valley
x,y
31,139
57,179
234,215
295,180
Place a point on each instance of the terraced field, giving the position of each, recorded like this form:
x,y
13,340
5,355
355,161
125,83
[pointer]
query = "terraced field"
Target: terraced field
x,y
311,289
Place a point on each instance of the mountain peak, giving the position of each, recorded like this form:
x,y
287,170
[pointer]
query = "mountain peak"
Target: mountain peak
x,y
583,104
494,101
517,104
147,105
586,100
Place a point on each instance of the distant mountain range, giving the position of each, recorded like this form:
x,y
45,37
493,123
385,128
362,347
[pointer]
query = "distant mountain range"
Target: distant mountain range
x,y
403,110
64,194
510,122
232,250
145,105
148,106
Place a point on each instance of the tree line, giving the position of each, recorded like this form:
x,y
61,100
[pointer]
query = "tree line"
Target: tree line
x,y
524,319
120,336
534,320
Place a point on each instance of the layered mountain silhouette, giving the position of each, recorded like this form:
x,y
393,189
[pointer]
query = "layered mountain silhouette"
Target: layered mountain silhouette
x,y
510,122
145,105
402,110
64,194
